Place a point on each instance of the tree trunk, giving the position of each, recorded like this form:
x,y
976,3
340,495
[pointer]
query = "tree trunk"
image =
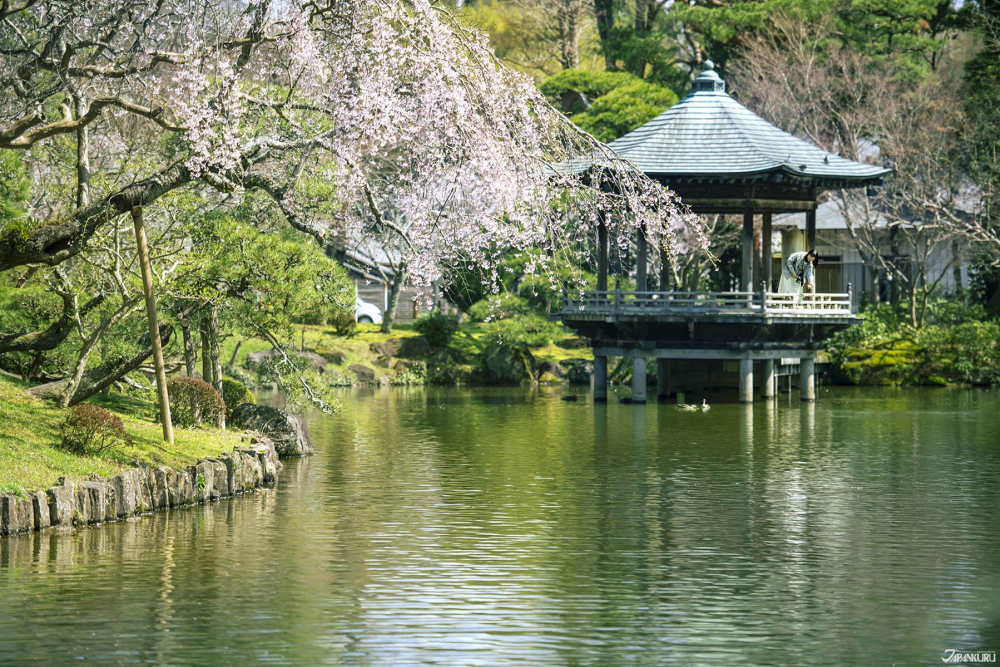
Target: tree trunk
x,y
395,287
206,352
73,382
236,353
604,11
569,37
82,159
189,349
103,376
637,64
213,341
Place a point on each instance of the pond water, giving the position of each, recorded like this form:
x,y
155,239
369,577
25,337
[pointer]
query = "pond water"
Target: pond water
x,y
505,526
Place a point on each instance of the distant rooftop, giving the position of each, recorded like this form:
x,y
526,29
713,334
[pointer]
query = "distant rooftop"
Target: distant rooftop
x,y
708,135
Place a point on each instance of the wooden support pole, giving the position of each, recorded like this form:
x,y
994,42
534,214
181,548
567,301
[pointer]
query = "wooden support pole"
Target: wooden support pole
x,y
766,252
746,379
600,378
768,387
662,378
746,263
641,261
807,379
154,326
639,380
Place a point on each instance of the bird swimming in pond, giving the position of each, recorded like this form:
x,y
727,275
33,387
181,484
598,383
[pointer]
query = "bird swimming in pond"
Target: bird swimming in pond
x,y
687,407
705,407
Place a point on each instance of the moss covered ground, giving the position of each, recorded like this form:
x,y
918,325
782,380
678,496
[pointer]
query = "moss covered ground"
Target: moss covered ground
x,y
31,459
467,344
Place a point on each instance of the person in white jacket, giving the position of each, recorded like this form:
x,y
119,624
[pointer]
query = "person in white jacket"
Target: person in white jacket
x,y
797,273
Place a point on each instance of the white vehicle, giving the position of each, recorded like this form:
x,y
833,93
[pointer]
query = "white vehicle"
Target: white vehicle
x,y
366,313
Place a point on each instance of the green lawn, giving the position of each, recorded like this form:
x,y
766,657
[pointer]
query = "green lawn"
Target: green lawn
x,y
29,435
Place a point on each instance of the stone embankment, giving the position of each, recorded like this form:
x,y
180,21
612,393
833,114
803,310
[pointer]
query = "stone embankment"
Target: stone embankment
x,y
139,490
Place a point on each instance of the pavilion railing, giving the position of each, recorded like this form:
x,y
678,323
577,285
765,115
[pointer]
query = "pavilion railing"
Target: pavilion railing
x,y
761,303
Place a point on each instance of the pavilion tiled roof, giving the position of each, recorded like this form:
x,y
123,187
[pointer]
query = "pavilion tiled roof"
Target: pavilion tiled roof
x,y
710,135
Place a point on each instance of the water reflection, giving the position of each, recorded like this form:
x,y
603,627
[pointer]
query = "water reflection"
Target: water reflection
x,y
507,526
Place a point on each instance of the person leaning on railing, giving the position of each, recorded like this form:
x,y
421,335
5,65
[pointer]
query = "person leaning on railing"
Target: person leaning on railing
x,y
797,273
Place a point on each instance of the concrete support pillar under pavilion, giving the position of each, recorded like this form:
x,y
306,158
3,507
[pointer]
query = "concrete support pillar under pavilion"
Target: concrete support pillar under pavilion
x,y
746,379
807,379
600,378
639,380
768,385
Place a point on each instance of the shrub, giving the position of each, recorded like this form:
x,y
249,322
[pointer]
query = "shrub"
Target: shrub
x,y
194,401
235,393
437,328
343,323
90,429
498,307
528,331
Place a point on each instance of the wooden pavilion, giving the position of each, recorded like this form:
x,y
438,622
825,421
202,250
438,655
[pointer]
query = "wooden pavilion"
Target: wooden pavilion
x,y
720,157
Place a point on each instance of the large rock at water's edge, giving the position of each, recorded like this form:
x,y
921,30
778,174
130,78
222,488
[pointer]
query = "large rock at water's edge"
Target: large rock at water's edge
x,y
40,510
414,346
508,364
550,371
94,502
180,487
62,503
288,432
16,515
578,371
127,495
267,455
333,356
363,374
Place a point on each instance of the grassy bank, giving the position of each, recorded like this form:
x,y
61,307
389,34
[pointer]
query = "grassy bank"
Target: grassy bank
x,y
30,457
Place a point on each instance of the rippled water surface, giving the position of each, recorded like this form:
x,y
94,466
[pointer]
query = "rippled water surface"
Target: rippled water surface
x,y
505,526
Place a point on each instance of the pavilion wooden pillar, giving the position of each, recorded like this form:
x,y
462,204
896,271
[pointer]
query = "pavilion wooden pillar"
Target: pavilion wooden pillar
x,y
811,229
766,252
664,271
641,260
601,361
746,260
602,254
768,384
663,365
639,362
